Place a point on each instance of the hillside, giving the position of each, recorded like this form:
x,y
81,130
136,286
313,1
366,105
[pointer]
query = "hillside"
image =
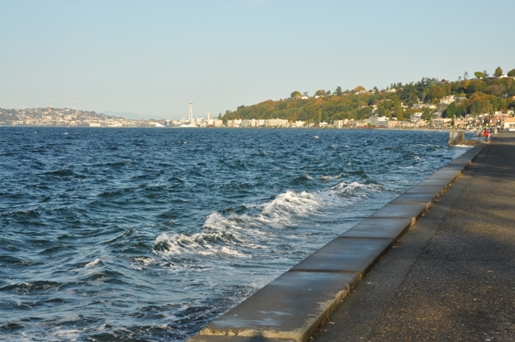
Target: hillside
x,y
482,94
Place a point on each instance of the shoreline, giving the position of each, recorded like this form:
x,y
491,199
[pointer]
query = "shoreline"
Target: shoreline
x,y
293,306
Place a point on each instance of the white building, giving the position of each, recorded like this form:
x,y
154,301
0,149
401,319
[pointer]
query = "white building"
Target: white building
x,y
416,117
379,121
509,124
448,99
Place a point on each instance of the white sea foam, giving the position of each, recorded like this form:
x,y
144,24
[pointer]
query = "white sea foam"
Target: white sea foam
x,y
204,244
142,262
284,207
328,178
355,188
93,263
68,335
230,235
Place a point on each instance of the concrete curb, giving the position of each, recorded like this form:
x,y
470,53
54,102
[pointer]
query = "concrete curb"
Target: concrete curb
x,y
291,307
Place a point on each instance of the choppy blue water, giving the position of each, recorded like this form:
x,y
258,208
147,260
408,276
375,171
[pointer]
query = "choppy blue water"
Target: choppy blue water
x,y
149,234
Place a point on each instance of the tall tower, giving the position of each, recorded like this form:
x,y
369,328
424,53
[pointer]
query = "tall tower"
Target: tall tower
x,y
191,112
74,106
50,105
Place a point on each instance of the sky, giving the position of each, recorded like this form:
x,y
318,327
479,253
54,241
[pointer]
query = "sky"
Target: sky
x,y
152,57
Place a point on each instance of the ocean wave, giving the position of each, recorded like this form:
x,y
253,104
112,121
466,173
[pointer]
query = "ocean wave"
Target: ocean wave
x,y
63,172
285,206
356,189
32,287
330,178
186,230
11,260
305,177
25,213
96,262
203,244
248,226
140,263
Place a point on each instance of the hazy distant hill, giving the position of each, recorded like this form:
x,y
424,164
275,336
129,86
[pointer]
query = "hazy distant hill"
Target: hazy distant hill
x,y
126,115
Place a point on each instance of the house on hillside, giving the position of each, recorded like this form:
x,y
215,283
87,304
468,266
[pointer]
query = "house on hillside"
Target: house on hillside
x,y
379,121
509,124
447,100
441,122
416,117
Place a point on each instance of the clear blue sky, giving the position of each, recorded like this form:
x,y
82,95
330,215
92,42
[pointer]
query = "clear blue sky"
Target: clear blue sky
x,y
152,57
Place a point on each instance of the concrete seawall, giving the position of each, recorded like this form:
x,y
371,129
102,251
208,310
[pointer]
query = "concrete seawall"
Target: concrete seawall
x,y
294,305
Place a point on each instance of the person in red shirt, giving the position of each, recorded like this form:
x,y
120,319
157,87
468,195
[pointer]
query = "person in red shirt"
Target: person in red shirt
x,y
486,134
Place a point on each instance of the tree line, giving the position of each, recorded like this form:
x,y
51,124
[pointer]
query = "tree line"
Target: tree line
x,y
482,94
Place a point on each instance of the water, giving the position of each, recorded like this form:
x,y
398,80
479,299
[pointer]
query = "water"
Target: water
x,y
148,234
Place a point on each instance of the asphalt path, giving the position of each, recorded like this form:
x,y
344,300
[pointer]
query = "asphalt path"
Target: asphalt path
x,y
452,276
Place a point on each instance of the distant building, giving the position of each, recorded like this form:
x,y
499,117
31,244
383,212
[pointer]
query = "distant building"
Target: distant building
x,y
416,117
448,99
509,124
379,121
276,123
339,123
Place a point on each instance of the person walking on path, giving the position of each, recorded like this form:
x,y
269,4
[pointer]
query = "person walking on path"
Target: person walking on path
x,y
486,134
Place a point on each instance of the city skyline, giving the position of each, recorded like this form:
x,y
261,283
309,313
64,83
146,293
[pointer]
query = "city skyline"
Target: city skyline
x,y
152,58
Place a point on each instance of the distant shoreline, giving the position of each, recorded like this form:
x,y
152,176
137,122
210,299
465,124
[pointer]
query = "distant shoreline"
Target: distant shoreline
x,y
249,128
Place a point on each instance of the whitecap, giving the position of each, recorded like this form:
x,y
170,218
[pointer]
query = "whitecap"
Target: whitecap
x,y
291,203
355,188
204,244
232,252
328,178
142,262
93,263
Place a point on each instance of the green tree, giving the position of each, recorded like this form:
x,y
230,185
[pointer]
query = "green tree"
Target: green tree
x,y
436,93
296,95
511,73
461,111
451,110
397,105
338,91
381,111
426,114
475,86
320,92
479,74
358,89
498,72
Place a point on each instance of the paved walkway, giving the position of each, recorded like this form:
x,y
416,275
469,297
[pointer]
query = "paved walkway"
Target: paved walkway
x,y
452,276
